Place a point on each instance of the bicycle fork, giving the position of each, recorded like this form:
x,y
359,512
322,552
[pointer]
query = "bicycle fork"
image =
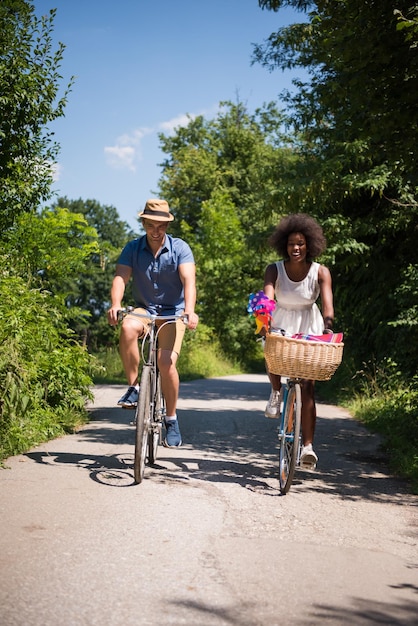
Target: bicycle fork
x,y
288,436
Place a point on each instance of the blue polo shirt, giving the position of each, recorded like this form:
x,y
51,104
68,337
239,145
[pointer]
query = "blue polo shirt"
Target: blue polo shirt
x,y
156,282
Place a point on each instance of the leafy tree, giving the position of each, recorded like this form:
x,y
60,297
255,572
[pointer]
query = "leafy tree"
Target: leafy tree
x,y
30,100
45,374
49,248
358,167
91,288
225,180
220,253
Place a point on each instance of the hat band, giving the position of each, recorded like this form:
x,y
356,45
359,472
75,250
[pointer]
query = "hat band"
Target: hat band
x,y
159,213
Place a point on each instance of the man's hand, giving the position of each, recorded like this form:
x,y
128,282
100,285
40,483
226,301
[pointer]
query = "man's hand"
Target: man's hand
x,y
112,315
193,320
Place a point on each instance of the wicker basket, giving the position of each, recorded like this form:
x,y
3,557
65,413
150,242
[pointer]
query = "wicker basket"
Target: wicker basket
x,y
299,358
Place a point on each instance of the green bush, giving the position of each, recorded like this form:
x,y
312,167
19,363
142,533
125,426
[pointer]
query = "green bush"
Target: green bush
x,y
389,406
202,356
45,376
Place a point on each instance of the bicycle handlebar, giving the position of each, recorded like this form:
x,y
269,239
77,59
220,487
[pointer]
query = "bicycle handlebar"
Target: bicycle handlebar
x,y
149,316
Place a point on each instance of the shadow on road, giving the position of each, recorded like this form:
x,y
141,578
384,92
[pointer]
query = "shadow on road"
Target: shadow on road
x,y
239,446
364,612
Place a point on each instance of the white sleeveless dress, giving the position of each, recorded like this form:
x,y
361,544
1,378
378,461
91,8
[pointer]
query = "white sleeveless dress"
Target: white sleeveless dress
x,y
296,309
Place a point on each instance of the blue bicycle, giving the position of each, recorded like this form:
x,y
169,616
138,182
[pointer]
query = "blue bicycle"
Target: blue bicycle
x,y
297,360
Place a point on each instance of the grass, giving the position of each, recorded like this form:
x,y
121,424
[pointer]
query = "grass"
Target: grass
x,y
394,415
380,399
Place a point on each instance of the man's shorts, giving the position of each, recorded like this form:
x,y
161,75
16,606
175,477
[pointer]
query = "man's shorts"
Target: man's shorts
x,y
170,337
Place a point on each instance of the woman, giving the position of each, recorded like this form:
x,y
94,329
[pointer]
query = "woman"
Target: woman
x,y
296,283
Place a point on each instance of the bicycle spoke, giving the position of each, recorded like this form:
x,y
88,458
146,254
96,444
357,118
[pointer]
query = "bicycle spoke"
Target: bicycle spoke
x,y
289,437
143,421
157,422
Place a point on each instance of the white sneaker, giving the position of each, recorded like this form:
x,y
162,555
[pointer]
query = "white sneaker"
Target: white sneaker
x,y
273,408
308,458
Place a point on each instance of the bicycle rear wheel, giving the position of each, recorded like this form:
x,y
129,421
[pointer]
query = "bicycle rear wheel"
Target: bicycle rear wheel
x,y
289,437
154,434
143,420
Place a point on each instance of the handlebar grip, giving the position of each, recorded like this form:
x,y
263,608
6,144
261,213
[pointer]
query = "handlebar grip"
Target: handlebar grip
x,y
124,311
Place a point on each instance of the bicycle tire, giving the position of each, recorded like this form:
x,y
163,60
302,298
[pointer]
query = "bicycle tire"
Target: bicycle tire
x,y
154,434
289,437
143,420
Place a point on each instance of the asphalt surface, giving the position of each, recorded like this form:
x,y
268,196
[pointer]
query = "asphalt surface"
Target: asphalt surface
x,y
206,539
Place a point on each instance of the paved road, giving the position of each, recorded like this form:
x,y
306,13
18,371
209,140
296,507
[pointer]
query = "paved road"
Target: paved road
x,y
206,539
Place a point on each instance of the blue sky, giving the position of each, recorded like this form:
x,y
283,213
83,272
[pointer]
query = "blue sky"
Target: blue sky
x,y
140,67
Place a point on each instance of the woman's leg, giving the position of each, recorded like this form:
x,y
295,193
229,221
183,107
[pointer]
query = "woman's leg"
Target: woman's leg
x,y
308,412
272,409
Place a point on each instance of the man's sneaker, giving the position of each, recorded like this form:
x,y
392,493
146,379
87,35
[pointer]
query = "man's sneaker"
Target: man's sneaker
x,y
308,458
273,408
129,400
172,435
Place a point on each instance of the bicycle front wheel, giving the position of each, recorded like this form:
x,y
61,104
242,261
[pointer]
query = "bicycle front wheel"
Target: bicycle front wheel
x,y
143,421
157,422
289,437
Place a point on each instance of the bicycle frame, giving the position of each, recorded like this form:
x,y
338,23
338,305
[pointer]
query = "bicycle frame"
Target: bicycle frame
x,y
289,431
150,410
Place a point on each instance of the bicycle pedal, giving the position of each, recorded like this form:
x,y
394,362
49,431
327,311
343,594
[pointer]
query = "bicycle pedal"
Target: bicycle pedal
x,y
310,467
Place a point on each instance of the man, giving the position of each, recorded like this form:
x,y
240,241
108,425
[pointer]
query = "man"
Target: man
x,y
163,273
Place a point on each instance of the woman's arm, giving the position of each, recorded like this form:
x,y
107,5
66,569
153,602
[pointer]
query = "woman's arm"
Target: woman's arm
x,y
327,300
270,278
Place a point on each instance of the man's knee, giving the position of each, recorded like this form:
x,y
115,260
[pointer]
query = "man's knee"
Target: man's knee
x,y
131,331
167,359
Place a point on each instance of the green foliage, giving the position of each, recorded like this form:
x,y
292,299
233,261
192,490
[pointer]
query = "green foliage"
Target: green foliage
x,y
220,256
356,91
390,407
221,180
50,248
45,375
30,100
357,168
203,356
90,290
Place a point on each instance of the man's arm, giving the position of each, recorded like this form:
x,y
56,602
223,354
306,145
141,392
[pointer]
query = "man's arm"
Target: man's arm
x,y
121,278
187,273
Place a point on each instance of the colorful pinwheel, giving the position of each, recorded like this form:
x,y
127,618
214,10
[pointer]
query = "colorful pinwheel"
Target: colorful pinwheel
x,y
260,307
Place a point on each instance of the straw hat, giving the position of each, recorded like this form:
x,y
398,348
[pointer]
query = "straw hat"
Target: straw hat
x,y
157,210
